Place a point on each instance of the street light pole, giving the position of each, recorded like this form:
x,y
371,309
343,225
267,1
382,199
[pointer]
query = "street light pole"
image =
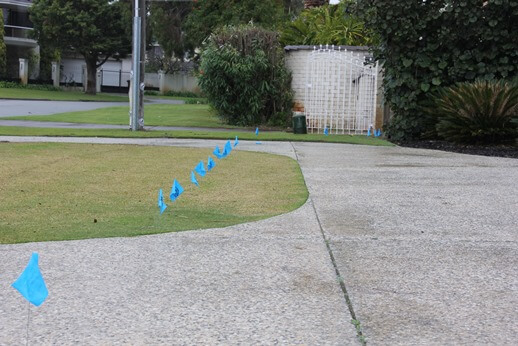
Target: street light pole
x,y
135,77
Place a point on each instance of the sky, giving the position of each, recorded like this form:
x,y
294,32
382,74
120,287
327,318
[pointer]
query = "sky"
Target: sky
x,y
334,1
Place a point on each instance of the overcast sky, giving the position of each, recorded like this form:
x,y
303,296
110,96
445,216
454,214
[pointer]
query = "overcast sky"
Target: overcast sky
x,y
334,1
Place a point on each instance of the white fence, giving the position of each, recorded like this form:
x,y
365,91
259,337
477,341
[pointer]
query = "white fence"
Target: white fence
x,y
340,92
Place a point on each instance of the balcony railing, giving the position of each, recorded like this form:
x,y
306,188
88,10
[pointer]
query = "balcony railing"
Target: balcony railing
x,y
17,31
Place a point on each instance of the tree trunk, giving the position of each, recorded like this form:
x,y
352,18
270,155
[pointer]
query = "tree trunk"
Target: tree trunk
x,y
315,3
91,72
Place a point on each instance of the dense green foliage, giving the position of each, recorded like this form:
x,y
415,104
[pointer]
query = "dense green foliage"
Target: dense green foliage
x,y
478,112
244,78
3,48
425,45
329,24
9,85
209,15
94,28
167,23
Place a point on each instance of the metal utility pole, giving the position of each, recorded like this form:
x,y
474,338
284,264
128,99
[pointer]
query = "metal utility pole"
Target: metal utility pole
x,y
135,73
139,58
138,68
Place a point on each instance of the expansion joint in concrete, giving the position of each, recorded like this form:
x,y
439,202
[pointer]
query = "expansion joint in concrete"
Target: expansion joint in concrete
x,y
339,277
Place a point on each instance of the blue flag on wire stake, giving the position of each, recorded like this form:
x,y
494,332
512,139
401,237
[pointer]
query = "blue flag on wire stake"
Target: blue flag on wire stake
x,y
200,169
161,203
369,132
217,153
210,164
378,132
194,180
31,284
176,191
257,131
227,149
326,131
236,142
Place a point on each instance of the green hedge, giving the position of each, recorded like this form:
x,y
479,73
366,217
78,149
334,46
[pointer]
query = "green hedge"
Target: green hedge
x,y
47,87
425,45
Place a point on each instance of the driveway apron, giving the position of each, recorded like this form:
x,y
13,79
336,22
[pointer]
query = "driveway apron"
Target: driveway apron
x,y
420,247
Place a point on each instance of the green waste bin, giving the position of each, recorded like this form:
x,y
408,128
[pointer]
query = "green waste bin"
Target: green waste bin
x,y
299,123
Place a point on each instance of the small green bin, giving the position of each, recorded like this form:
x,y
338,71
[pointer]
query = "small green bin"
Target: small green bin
x,y
299,123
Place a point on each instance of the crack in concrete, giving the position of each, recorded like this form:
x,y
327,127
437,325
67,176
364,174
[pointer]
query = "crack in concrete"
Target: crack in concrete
x,y
360,335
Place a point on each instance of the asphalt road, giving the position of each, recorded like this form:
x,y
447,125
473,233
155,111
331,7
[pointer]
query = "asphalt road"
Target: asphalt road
x,y
30,107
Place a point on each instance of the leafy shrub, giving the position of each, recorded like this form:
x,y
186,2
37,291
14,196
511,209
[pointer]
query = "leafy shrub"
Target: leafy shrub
x,y
479,112
242,73
46,87
329,24
427,45
181,93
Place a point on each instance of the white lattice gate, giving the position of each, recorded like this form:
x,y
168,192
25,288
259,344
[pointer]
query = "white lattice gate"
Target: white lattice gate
x,y
340,92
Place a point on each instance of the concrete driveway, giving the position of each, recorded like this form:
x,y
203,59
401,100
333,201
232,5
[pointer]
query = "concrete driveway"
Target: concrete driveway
x,y
419,246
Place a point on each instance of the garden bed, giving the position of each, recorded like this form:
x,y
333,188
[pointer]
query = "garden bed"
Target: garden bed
x,y
508,150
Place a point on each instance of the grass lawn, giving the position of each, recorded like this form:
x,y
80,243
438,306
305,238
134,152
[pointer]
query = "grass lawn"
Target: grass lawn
x,y
264,136
56,191
154,115
192,100
29,94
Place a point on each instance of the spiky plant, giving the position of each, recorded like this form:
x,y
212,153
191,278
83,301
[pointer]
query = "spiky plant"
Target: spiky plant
x,y
478,112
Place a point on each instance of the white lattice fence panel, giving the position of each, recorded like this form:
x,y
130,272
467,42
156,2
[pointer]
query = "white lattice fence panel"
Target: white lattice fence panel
x,y
340,92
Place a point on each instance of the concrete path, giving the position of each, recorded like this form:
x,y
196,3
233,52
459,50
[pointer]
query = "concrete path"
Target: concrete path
x,y
424,242
10,108
65,125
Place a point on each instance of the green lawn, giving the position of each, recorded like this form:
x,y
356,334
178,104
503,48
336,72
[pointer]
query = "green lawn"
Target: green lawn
x,y
56,191
30,94
154,115
264,136
190,100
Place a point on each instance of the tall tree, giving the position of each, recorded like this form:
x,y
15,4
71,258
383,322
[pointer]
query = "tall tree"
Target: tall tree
x,y
94,28
3,48
208,15
167,22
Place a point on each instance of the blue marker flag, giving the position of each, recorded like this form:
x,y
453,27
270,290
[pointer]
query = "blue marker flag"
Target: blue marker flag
x,y
200,169
326,131
236,142
31,284
210,164
176,191
193,179
227,149
378,133
257,131
369,132
217,153
161,203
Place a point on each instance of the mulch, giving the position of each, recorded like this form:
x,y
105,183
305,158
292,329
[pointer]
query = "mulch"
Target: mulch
x,y
510,151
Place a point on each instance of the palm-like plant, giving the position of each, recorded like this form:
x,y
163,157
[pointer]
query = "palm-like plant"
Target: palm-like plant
x,y
480,112
330,24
